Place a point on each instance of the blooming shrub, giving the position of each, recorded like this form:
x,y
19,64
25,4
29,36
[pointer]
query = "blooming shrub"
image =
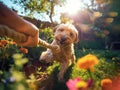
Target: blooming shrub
x,y
88,63
89,73
7,49
14,79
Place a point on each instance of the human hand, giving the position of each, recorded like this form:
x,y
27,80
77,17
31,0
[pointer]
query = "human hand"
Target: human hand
x,y
32,34
30,42
15,22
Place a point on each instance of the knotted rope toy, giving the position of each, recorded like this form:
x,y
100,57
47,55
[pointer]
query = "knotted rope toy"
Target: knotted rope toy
x,y
19,37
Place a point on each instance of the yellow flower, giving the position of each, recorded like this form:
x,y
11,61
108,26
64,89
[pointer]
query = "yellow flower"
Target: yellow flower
x,y
19,76
106,82
81,85
87,62
21,87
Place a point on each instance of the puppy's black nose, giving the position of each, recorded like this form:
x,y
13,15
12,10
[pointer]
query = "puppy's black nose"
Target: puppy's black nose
x,y
63,39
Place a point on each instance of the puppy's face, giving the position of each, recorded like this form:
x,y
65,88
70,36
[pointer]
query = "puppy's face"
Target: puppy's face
x,y
65,34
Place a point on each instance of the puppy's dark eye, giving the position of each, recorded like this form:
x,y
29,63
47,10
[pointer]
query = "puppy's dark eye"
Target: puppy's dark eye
x,y
61,30
71,34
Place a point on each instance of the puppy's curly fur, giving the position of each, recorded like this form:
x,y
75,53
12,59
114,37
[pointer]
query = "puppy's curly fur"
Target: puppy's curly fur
x,y
65,36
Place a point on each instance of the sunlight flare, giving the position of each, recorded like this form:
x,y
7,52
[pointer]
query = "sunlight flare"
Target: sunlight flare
x,y
72,6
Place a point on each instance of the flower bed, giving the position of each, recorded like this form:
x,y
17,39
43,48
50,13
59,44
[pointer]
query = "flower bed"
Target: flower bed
x,y
20,69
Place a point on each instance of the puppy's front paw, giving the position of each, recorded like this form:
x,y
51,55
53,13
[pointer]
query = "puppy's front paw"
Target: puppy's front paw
x,y
46,57
56,49
60,78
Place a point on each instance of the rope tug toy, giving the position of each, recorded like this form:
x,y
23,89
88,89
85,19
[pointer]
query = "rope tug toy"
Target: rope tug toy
x,y
19,37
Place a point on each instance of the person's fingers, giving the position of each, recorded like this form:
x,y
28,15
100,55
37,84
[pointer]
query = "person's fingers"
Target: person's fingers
x,y
30,29
31,41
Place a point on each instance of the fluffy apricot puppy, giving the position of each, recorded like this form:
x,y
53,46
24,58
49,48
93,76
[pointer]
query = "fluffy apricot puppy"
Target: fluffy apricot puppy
x,y
65,35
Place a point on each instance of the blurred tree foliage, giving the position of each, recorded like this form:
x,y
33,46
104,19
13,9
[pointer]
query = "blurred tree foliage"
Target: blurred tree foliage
x,y
116,23
108,23
100,17
46,34
110,19
40,6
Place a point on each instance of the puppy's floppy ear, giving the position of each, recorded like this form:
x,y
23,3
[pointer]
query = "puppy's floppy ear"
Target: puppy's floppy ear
x,y
54,29
77,34
77,38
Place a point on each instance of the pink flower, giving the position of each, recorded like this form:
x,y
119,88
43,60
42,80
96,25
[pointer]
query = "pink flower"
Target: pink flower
x,y
79,84
71,83
89,82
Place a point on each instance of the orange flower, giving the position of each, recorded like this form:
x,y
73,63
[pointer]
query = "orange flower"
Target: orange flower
x,y
24,50
87,62
106,82
4,42
12,43
1,44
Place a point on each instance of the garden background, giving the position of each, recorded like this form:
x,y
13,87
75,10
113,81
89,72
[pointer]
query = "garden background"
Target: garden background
x,y
98,24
